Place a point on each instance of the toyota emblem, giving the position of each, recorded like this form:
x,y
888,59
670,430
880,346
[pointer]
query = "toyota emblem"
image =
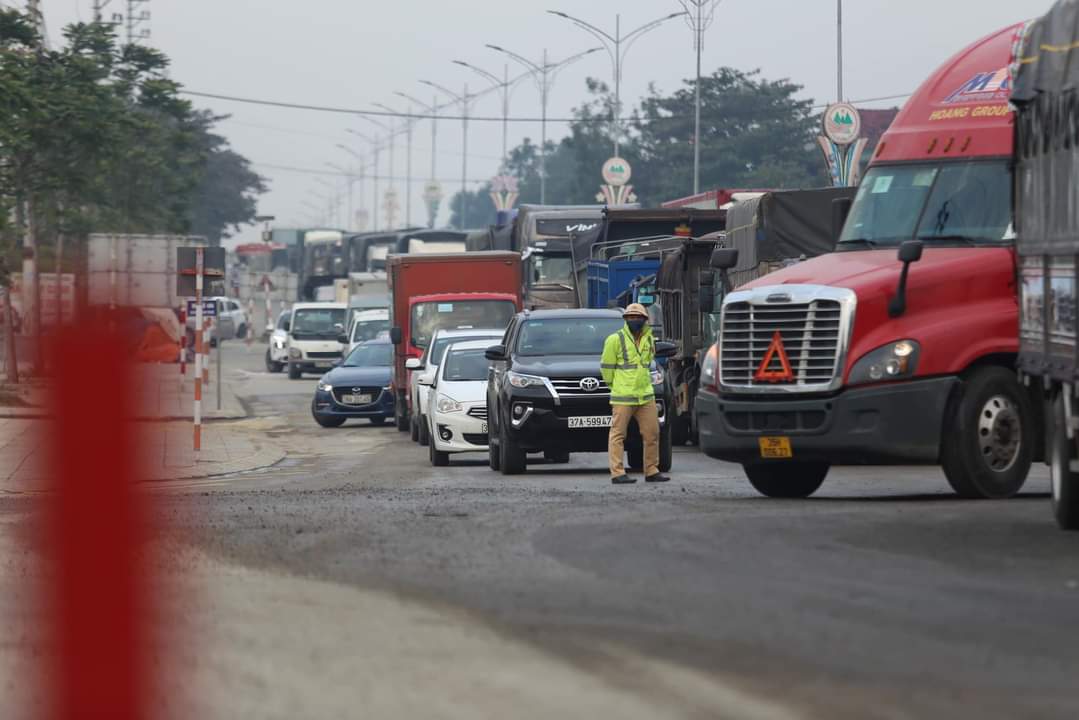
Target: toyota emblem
x,y
589,384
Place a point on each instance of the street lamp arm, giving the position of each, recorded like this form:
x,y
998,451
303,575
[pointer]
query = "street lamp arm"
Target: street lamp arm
x,y
652,25
555,68
433,109
379,123
494,79
584,26
522,60
446,91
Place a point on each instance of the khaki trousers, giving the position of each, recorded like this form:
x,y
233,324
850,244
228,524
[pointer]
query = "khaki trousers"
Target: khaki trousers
x,y
647,422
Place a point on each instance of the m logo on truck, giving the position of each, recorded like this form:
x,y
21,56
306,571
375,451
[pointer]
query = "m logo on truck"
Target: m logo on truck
x,y
766,372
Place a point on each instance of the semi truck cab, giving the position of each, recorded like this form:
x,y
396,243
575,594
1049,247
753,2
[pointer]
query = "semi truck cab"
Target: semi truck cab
x,y
900,346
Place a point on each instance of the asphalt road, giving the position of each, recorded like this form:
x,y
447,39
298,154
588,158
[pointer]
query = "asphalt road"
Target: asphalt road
x,y
881,597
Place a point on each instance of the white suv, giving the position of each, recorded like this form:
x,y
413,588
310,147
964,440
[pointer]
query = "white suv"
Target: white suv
x,y
425,367
277,352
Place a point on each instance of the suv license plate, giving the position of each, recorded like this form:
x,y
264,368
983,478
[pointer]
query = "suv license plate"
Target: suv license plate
x,y
775,447
356,399
590,421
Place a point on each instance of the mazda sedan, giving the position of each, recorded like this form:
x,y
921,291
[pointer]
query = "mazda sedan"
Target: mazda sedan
x,y
357,388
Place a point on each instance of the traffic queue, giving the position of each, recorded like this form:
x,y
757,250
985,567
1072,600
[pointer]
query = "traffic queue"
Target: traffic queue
x,y
895,333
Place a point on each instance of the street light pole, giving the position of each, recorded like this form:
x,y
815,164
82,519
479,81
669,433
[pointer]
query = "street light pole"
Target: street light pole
x,y
465,101
839,49
350,179
613,45
699,16
544,74
360,163
504,87
375,149
409,122
391,134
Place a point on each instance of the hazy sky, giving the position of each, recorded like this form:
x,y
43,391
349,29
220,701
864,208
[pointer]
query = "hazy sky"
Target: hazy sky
x,y
351,53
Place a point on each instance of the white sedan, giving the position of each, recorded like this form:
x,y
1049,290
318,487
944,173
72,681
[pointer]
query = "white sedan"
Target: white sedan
x,y
457,402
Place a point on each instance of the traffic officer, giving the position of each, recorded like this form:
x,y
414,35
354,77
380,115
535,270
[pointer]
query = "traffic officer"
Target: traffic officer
x,y
626,366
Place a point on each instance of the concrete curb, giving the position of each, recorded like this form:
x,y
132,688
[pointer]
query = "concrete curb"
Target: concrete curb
x,y
264,457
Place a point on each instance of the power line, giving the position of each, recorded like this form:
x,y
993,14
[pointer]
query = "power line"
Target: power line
x,y
425,116
335,173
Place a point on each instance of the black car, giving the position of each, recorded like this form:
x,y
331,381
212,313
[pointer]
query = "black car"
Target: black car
x,y
545,392
357,388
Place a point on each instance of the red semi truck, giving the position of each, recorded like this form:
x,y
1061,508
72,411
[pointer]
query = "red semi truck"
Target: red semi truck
x,y
429,292
863,357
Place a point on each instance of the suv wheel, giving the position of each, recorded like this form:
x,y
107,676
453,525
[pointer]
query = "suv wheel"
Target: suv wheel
x,y
400,412
666,448
494,459
294,372
512,459
271,365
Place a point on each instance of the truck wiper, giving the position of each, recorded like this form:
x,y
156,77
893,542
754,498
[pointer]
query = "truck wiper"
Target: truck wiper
x,y
966,239
860,241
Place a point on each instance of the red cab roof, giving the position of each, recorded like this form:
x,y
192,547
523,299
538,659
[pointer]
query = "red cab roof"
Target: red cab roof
x,y
961,110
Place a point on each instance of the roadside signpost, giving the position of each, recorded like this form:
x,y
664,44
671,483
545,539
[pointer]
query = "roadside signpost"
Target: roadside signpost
x,y
616,189
842,143
194,265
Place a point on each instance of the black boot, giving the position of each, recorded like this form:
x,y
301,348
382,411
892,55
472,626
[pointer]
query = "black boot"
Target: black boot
x,y
623,480
658,477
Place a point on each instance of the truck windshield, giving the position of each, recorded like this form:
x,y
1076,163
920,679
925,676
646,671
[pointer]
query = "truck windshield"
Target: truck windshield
x,y
552,269
967,202
317,322
567,336
430,316
465,366
369,329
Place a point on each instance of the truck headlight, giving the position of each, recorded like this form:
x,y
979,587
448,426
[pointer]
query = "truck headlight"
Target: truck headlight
x,y
448,404
324,386
295,353
893,361
518,380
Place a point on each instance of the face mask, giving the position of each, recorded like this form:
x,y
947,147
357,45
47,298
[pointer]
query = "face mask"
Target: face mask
x,y
636,324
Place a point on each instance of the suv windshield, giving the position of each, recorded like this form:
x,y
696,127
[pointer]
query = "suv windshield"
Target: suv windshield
x,y
465,366
376,355
430,316
970,202
317,322
566,336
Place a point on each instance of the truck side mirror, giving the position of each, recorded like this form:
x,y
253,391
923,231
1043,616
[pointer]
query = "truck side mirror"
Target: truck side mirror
x,y
724,258
840,210
666,349
910,251
496,353
287,326
343,339
413,364
395,335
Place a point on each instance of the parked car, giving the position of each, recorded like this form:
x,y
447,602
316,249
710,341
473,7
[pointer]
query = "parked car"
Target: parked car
x,y
357,388
456,412
367,325
545,392
232,321
427,364
277,350
316,339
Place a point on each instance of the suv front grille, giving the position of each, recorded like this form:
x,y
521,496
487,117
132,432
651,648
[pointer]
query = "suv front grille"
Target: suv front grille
x,y
571,387
811,335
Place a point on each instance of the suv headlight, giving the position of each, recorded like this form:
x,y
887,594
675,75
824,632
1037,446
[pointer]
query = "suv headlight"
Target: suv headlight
x,y
324,386
448,404
518,380
295,353
893,361
279,344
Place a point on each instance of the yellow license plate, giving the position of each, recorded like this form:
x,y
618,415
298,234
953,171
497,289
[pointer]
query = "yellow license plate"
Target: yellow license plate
x,y
775,447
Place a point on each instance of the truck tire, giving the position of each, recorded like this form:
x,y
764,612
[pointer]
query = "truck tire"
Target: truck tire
x,y
666,448
512,459
424,430
400,413
680,429
241,332
1064,480
438,458
987,440
786,480
414,430
294,372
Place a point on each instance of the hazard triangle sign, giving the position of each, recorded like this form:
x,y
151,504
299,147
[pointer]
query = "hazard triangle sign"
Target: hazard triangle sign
x,y
775,367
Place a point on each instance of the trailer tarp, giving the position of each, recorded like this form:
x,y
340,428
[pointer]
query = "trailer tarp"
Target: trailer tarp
x,y
783,224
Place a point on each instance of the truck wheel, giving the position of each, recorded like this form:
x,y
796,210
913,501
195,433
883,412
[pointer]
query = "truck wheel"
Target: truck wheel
x,y
438,458
666,449
424,430
414,430
241,332
1065,480
294,372
512,459
986,451
400,413
786,480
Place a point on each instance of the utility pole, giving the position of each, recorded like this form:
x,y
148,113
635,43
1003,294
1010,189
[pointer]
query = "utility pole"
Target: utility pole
x,y
392,177
614,45
699,17
408,122
465,101
432,193
544,74
375,150
839,49
138,21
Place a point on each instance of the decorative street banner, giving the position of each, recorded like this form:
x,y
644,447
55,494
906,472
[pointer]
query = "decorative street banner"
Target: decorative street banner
x,y
617,190
841,143
504,191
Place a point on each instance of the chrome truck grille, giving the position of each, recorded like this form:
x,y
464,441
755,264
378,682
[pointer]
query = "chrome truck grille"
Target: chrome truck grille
x,y
813,323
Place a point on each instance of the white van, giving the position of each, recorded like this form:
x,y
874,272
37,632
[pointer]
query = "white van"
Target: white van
x,y
367,325
316,337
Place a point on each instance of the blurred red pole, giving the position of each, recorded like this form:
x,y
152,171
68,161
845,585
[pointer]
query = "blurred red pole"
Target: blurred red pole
x,y
98,531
